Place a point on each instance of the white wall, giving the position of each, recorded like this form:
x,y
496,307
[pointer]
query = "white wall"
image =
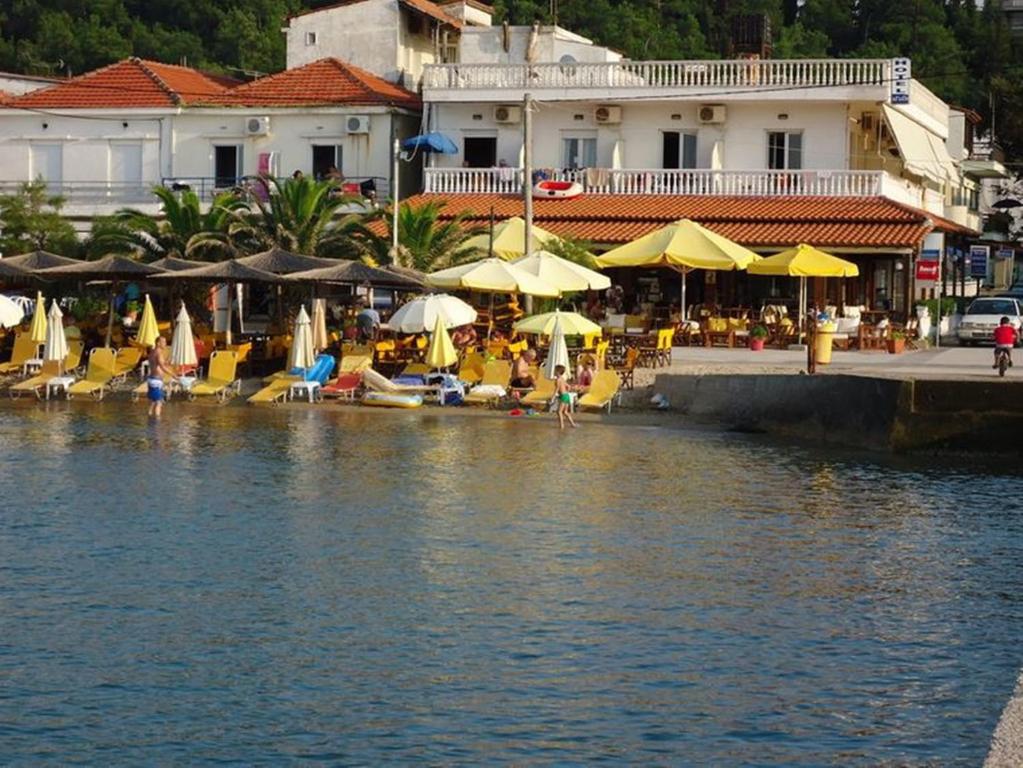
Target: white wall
x,y
364,34
743,135
485,45
19,84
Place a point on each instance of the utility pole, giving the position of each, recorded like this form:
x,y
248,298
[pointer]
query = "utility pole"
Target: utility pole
x,y
527,180
395,258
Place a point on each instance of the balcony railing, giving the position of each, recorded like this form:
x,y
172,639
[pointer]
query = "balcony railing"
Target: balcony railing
x,y
75,192
604,181
664,75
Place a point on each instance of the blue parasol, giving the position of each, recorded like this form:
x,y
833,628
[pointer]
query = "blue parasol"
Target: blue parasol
x,y
431,142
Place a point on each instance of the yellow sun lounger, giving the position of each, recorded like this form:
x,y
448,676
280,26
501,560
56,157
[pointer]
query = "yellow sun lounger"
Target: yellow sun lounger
x,y
496,373
276,391
97,376
24,349
471,369
605,389
127,360
543,393
221,381
355,363
51,369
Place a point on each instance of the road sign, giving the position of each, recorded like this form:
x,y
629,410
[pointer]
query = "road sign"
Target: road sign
x,y
979,255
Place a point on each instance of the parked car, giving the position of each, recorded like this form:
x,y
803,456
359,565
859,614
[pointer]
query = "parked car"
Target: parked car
x,y
984,314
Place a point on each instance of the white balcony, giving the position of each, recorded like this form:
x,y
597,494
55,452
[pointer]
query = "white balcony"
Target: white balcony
x,y
767,79
751,183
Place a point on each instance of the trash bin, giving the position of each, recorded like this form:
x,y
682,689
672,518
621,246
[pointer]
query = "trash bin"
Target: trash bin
x,y
825,334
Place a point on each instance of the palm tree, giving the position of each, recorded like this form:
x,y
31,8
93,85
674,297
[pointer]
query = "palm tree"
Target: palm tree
x,y
300,215
425,242
183,228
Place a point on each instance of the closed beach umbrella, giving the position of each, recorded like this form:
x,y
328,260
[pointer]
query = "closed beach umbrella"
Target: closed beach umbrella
x,y
319,325
572,324
183,343
510,239
11,313
492,276
38,330
563,274
56,342
301,355
558,352
420,315
147,332
441,353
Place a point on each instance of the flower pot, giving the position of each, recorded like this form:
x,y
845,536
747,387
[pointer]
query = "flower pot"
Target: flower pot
x,y
756,345
896,346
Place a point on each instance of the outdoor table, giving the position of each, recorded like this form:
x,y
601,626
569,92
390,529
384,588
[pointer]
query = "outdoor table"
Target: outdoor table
x,y
31,366
184,383
310,389
58,384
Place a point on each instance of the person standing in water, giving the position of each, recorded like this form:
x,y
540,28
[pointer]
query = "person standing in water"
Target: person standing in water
x,y
564,394
158,371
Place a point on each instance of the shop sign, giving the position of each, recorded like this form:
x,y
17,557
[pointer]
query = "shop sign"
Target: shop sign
x,y
928,266
1005,253
902,73
978,260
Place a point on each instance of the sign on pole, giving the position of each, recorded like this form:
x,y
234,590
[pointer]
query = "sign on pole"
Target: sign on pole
x,y
928,266
979,255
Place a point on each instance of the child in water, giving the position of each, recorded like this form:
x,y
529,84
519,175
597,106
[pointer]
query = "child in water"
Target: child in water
x,y
564,394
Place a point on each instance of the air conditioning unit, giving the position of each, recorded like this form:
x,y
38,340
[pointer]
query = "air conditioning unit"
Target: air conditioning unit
x,y
609,115
357,124
257,126
507,114
711,113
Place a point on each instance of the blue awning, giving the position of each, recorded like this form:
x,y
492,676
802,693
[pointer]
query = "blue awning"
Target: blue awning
x,y
431,142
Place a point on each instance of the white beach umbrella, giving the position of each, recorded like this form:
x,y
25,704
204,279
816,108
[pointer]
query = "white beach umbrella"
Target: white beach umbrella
x,y
562,273
420,315
302,355
183,343
11,313
319,325
56,343
558,352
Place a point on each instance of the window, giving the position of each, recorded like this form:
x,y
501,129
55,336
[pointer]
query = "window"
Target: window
x,y
579,153
47,163
679,150
227,165
480,151
326,160
310,38
785,150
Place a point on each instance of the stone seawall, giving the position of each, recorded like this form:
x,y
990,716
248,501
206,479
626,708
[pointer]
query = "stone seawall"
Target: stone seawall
x,y
861,411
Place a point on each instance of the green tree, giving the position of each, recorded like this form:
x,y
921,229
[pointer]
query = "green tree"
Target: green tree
x,y
425,241
30,220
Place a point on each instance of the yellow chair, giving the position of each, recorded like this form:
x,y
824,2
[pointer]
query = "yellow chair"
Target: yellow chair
x,y
73,360
471,369
24,349
221,381
601,353
354,362
35,384
665,340
276,391
126,361
604,390
495,373
97,376
542,394
590,340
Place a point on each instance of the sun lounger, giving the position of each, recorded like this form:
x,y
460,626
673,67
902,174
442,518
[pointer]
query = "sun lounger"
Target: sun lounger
x,y
415,369
221,381
379,383
24,349
471,370
126,361
604,390
274,392
492,386
355,363
542,395
35,385
346,385
98,375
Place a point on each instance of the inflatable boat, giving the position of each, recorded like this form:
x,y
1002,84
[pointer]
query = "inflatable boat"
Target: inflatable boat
x,y
392,400
557,189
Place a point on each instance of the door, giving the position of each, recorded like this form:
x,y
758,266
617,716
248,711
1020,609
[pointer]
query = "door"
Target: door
x,y
326,161
227,165
48,164
481,151
679,150
125,170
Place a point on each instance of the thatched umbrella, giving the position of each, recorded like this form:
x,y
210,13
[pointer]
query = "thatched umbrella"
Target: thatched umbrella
x,y
114,268
176,264
36,260
282,262
355,273
11,270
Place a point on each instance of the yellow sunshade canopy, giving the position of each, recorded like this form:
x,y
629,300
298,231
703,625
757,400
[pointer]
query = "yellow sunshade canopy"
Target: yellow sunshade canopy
x,y
441,353
492,276
510,239
38,330
148,330
804,261
572,324
681,246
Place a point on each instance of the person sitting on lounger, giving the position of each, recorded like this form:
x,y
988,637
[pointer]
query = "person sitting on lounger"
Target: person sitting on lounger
x,y
464,336
522,377
587,370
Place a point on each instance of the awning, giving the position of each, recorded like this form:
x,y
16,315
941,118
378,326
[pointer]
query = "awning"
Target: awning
x,y
922,152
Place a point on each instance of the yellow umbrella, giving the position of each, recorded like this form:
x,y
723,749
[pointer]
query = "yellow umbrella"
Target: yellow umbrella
x,y
492,276
803,261
441,353
682,246
38,331
147,332
510,239
572,324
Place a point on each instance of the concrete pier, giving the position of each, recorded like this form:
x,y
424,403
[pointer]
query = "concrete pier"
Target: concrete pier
x,y
1007,742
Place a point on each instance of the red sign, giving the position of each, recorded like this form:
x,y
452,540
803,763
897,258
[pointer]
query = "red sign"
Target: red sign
x,y
928,271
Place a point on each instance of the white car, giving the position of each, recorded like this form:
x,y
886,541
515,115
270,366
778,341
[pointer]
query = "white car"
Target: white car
x,y
984,315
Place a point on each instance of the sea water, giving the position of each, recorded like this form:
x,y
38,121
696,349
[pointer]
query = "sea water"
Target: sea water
x,y
268,586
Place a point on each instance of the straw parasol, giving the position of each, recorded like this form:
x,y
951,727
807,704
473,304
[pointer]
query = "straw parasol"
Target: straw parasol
x,y
147,332
11,313
421,314
509,239
176,264
12,270
355,273
558,352
282,262
563,274
56,343
301,354
183,343
572,324
38,331
441,353
36,260
682,246
319,325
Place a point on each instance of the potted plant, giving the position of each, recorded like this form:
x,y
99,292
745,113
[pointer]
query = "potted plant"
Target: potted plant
x,y
757,338
897,343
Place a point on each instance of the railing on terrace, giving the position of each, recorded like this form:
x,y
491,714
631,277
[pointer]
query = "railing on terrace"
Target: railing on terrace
x,y
89,191
792,73
753,183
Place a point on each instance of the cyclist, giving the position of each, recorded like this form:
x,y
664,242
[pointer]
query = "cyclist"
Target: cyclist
x,y
1005,340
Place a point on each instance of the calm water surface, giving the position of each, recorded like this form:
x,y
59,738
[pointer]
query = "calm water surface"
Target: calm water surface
x,y
255,586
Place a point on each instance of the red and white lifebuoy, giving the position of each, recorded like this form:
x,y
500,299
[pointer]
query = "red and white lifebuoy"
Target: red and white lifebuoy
x,y
557,189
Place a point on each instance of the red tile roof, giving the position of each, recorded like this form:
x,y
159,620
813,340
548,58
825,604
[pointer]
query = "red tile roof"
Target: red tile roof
x,y
131,83
325,81
5,97
835,222
423,6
